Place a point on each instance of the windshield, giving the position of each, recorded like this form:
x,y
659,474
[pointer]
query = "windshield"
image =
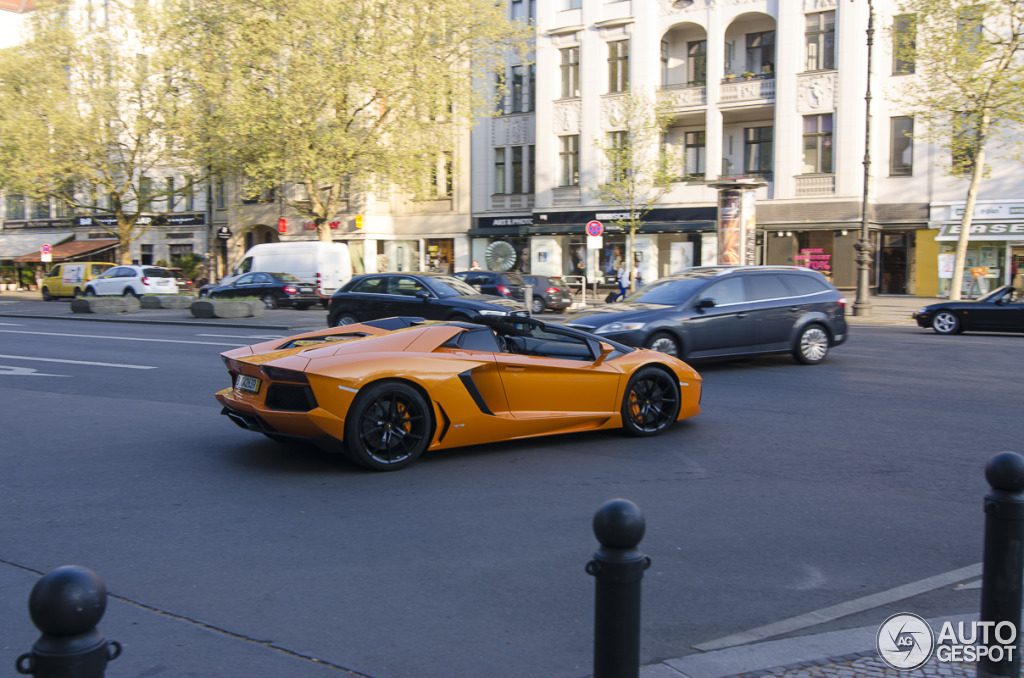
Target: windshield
x,y
668,292
449,286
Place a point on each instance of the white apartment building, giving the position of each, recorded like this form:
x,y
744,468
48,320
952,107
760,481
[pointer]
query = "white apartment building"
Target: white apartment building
x,y
772,90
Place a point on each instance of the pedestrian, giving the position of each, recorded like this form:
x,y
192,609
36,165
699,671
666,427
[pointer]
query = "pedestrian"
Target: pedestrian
x,y
475,266
622,277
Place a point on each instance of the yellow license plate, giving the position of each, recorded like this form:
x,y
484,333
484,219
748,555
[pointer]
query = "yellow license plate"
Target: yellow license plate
x,y
247,384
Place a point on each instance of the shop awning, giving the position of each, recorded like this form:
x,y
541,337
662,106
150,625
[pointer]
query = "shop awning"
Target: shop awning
x,y
17,244
70,251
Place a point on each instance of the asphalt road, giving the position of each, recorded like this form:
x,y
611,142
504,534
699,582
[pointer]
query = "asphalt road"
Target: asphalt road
x,y
796,489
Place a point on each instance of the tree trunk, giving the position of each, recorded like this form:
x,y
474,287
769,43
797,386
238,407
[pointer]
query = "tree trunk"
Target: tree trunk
x,y
957,283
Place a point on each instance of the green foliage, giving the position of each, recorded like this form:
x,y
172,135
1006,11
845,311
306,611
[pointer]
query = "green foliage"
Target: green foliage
x,y
335,93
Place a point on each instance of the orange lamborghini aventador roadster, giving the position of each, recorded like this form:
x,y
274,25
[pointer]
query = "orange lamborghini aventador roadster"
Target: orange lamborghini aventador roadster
x,y
386,390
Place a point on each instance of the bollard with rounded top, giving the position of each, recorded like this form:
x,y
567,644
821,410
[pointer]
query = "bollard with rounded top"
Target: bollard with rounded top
x,y
1002,578
618,568
66,605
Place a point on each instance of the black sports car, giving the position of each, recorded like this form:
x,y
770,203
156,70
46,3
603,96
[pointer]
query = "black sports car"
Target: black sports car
x,y
999,311
433,296
274,289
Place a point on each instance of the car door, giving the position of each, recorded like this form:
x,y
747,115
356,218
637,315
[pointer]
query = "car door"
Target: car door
x,y
550,387
773,311
105,283
242,287
368,299
262,284
407,298
723,327
1004,313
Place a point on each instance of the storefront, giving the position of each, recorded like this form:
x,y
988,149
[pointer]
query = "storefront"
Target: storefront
x,y
995,249
827,249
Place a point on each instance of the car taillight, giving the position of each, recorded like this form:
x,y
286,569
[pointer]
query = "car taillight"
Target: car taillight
x,y
842,301
551,290
291,289
504,291
319,287
145,280
282,374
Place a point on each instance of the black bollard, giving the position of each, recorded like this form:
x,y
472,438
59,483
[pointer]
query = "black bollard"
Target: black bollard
x,y
618,568
66,605
1002,579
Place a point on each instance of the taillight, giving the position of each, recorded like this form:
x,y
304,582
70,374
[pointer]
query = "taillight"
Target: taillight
x,y
145,280
842,301
282,374
319,287
504,291
291,289
551,290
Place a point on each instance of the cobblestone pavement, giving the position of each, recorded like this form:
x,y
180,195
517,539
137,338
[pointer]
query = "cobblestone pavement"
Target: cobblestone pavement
x,y
865,665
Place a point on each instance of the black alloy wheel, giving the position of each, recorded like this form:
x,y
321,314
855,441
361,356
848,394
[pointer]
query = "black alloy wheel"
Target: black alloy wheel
x,y
651,403
388,427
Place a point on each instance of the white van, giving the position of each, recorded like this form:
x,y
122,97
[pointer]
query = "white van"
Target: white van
x,y
324,264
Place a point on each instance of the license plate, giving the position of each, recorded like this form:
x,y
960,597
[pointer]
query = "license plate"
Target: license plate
x,y
247,384
306,290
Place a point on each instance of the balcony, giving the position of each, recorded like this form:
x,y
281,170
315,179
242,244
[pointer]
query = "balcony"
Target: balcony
x,y
756,90
814,185
681,97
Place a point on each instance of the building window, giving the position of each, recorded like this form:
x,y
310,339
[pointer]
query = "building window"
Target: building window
x,y
220,194
188,195
15,206
531,87
170,194
618,155
517,170
40,208
761,52
965,142
618,66
518,94
818,144
571,4
901,146
820,37
904,41
570,72
145,193
569,160
757,151
694,158
499,171
697,62
531,169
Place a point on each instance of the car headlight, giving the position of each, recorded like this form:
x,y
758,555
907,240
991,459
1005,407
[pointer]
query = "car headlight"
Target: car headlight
x,y
619,327
489,312
921,311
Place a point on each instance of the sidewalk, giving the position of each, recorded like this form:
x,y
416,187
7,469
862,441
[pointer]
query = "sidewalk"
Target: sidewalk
x,y
884,310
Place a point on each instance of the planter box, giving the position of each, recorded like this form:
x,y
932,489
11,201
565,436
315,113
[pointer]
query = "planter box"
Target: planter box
x,y
168,301
105,305
221,308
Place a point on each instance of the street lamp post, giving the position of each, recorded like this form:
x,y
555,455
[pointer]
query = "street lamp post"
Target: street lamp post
x,y
865,248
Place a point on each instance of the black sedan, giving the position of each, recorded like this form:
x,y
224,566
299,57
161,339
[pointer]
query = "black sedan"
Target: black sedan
x,y
999,311
549,293
274,289
499,283
433,296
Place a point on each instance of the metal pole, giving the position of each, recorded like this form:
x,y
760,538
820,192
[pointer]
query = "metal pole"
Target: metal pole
x,y
1002,578
618,568
865,249
66,605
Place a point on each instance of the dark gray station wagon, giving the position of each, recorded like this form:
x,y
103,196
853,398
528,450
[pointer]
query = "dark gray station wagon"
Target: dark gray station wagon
x,y
723,311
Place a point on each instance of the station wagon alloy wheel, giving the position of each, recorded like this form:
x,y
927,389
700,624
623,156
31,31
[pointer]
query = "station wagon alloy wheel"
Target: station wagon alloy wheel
x,y
651,402
812,346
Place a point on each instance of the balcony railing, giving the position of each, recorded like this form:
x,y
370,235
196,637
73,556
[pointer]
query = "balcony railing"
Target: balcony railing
x,y
684,95
748,90
815,184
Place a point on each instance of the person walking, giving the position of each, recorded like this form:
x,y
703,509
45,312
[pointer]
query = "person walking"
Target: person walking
x,y
622,277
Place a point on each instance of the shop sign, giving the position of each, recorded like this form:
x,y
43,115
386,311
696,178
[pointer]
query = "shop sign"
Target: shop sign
x,y
814,258
983,231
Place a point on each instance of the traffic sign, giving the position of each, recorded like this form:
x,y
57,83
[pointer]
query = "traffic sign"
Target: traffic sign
x,y
46,253
595,228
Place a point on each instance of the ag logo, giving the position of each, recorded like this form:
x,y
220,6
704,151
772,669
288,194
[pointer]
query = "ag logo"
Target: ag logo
x,y
905,641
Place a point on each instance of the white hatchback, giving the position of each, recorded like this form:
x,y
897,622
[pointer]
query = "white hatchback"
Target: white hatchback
x,y
135,280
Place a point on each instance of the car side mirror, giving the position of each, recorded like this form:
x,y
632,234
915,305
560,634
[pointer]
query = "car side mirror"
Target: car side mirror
x,y
423,294
605,349
706,303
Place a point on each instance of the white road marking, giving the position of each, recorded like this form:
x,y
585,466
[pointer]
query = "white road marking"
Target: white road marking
x,y
79,362
102,336
827,614
251,336
13,324
26,371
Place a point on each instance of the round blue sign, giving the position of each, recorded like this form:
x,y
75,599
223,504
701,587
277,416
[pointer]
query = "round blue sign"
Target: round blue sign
x,y
594,228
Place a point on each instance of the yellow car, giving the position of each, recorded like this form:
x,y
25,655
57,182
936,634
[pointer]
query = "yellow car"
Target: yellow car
x,y
385,391
68,279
